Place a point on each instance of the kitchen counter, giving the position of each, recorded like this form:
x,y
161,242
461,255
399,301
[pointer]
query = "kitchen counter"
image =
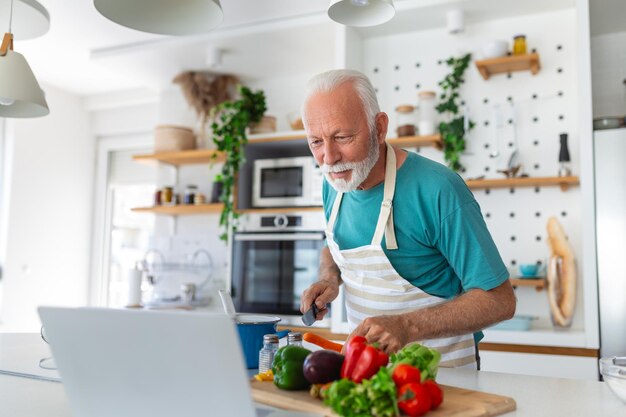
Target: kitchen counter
x,y
535,396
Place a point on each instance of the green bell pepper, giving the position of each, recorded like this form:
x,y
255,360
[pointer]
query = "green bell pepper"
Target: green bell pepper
x,y
287,368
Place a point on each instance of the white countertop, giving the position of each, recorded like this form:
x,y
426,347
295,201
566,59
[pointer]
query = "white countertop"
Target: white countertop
x,y
535,396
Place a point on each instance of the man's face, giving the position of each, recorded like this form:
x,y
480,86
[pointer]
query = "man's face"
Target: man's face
x,y
339,137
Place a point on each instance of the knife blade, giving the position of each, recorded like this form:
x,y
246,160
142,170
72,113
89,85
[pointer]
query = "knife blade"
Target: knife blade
x,y
308,317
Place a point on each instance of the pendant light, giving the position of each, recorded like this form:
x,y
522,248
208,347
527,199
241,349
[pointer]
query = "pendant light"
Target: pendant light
x,y
361,12
165,17
20,94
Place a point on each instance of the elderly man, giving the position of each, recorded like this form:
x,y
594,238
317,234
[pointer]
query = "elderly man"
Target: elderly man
x,y
405,235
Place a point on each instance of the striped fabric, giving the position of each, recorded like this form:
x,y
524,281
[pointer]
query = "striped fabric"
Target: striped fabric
x,y
373,287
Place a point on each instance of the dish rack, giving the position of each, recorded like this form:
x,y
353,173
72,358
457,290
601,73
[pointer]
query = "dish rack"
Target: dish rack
x,y
185,283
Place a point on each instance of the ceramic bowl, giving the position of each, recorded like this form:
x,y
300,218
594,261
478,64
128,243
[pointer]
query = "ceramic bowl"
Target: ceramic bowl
x,y
529,270
613,371
495,49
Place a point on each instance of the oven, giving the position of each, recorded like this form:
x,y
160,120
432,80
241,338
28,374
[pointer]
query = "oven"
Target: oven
x,y
275,258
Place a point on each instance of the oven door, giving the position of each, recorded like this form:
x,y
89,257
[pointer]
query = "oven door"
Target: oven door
x,y
271,270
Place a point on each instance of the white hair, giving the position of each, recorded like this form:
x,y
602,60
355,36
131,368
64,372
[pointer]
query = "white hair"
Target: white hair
x,y
328,81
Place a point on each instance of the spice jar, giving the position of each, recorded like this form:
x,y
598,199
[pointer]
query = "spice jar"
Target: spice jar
x,y
199,198
190,193
405,115
266,354
427,113
294,338
167,195
519,44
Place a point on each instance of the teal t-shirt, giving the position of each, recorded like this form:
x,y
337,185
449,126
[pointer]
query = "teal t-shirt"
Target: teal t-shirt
x,y
444,247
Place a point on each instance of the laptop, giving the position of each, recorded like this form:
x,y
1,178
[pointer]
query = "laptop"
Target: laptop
x,y
134,363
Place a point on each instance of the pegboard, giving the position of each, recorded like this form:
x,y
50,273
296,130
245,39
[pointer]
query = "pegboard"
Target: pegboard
x,y
533,111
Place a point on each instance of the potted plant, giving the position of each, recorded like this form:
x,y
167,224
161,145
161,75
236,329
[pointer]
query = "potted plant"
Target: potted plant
x,y
230,137
453,130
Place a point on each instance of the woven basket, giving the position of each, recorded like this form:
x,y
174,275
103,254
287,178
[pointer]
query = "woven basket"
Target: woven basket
x,y
169,138
266,125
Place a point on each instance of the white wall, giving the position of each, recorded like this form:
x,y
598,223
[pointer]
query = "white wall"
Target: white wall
x,y
608,66
48,205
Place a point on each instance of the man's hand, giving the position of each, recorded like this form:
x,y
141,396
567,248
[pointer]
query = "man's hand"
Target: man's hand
x,y
390,332
320,293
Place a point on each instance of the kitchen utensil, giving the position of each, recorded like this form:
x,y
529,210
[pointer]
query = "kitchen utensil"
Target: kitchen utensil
x,y
495,49
457,401
496,116
613,371
308,318
227,303
608,123
529,270
252,328
517,323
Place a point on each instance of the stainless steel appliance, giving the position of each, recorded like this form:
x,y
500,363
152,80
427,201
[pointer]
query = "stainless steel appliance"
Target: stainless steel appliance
x,y
610,178
286,182
275,258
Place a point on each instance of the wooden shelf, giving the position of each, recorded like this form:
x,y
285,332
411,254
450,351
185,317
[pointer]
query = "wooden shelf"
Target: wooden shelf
x,y
194,156
278,210
416,141
538,283
277,137
181,209
505,64
563,182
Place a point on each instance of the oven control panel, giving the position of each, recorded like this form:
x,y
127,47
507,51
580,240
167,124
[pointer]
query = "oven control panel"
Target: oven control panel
x,y
292,221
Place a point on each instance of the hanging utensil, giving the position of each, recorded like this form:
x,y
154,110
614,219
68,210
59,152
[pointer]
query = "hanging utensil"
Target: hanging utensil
x,y
496,116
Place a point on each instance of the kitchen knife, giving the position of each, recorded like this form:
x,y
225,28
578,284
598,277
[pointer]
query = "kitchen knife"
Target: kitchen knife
x,y
308,317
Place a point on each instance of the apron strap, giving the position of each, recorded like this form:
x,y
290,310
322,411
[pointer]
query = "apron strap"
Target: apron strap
x,y
385,218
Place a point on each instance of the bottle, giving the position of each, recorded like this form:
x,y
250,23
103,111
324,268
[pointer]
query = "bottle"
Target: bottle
x,y
519,44
564,158
190,193
294,338
427,113
267,352
167,195
405,114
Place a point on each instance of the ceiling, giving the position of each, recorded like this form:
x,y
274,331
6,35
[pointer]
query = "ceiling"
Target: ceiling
x,y
85,53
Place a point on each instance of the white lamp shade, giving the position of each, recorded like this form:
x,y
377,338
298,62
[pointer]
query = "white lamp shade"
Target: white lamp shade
x,y
30,19
361,12
19,87
166,17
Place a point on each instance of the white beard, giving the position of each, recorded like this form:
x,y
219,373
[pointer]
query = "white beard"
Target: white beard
x,y
360,170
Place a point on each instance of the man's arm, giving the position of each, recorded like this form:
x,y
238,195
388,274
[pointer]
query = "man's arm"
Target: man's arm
x,y
468,313
326,289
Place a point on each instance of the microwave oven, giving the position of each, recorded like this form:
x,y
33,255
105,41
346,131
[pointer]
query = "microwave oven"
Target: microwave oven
x,y
287,182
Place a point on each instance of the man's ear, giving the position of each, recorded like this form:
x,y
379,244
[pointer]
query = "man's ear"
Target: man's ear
x,y
382,122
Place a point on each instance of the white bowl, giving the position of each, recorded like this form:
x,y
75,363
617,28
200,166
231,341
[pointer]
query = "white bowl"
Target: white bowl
x,y
613,371
495,49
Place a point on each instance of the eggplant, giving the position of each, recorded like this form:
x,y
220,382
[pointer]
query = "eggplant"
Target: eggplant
x,y
322,366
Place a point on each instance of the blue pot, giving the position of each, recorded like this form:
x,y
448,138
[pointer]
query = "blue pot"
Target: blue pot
x,y
252,328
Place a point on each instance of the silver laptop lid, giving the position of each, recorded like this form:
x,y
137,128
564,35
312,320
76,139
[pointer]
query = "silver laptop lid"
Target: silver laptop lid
x,y
133,363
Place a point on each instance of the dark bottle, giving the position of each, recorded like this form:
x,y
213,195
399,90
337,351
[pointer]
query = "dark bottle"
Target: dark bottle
x,y
564,158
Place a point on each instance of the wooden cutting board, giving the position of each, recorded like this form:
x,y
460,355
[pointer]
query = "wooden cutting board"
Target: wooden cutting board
x,y
457,402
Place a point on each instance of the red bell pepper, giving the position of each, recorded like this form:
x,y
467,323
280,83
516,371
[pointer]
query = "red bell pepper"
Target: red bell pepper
x,y
362,360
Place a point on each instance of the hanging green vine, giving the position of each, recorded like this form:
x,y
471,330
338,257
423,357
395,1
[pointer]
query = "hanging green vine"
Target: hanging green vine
x,y
453,131
229,134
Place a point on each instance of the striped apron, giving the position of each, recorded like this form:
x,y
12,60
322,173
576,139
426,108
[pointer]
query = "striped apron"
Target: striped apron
x,y
373,287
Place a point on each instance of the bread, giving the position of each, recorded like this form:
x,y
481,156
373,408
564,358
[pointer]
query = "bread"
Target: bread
x,y
561,275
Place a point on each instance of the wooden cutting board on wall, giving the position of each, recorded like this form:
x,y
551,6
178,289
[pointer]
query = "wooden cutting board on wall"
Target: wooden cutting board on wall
x,y
457,402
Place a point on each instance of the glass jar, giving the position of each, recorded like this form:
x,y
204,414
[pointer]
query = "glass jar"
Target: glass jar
x,y
405,116
199,198
167,195
519,44
294,338
267,352
427,113
190,193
